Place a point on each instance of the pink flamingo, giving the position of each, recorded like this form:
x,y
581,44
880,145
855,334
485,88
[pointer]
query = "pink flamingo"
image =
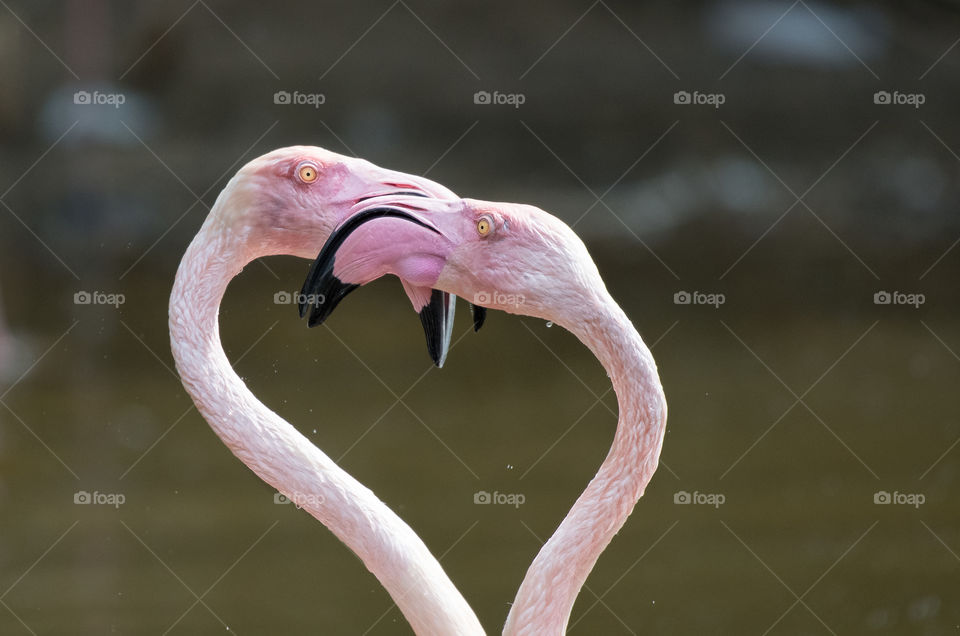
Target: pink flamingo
x,y
372,222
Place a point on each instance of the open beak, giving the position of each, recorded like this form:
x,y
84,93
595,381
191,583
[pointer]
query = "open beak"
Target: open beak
x,y
388,237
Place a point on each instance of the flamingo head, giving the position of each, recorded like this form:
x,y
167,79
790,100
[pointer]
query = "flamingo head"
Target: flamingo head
x,y
512,257
289,200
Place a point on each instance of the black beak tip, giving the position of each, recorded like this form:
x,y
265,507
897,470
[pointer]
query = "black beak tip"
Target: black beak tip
x,y
315,319
437,360
479,315
437,320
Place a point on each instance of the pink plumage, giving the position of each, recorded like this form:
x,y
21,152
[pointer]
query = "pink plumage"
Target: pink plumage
x,y
491,253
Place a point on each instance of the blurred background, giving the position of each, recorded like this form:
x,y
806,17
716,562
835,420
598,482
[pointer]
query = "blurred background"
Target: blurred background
x,y
770,189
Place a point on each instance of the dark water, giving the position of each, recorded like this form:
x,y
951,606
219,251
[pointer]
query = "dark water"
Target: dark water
x,y
794,543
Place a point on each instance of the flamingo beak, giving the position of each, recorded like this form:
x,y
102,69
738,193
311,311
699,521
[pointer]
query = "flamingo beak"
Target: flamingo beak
x,y
384,240
437,320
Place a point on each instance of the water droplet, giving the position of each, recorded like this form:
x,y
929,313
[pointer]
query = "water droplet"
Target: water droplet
x,y
549,324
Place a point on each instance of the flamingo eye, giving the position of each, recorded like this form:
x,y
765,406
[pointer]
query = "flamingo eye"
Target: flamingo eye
x,y
484,225
307,172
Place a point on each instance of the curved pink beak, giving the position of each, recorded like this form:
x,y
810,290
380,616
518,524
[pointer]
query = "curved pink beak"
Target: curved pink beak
x,y
389,237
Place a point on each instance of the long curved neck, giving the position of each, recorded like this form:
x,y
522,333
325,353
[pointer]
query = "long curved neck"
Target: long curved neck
x,y
554,579
287,460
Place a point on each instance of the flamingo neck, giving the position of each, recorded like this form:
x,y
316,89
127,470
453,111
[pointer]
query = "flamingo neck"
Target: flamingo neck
x,y
554,579
287,460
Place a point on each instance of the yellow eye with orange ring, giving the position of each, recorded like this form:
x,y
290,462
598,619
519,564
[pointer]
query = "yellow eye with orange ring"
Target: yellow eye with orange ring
x,y
484,225
307,172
